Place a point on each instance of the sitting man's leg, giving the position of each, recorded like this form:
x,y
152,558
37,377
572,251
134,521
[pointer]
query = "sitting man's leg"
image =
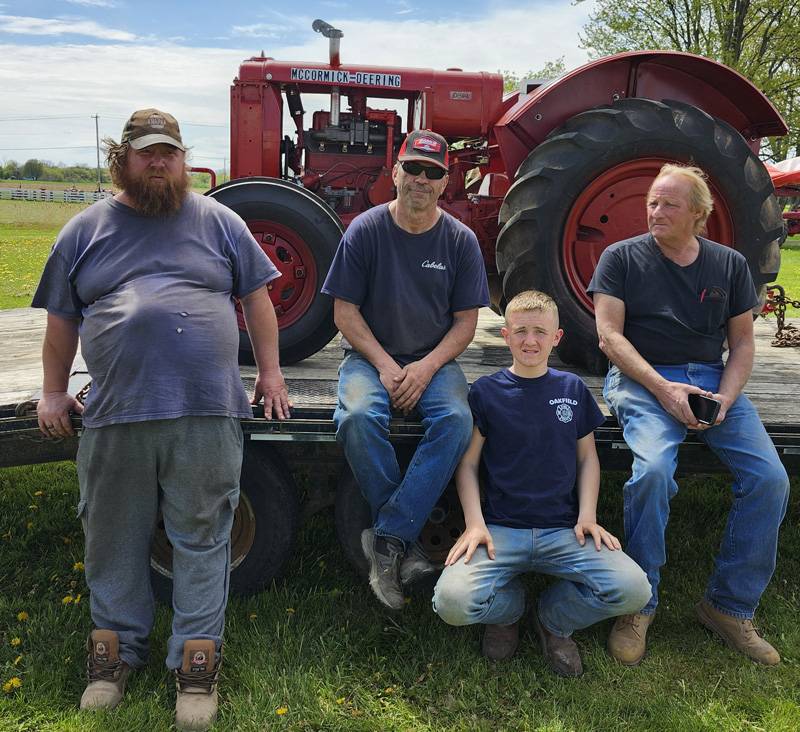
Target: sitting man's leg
x,y
595,585
488,591
746,559
653,437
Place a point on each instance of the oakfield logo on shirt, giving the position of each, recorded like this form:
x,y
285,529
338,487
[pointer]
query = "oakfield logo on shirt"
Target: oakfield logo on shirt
x,y
427,264
564,413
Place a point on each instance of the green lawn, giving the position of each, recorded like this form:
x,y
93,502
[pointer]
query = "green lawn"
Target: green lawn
x,y
316,653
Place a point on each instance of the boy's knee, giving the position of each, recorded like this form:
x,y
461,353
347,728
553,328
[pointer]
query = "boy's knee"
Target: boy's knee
x,y
634,590
453,603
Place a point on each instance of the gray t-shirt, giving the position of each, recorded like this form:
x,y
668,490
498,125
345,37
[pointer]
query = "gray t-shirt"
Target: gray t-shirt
x,y
674,314
408,286
154,296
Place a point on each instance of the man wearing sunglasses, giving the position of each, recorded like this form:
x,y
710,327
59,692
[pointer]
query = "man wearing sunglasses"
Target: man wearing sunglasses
x,y
408,280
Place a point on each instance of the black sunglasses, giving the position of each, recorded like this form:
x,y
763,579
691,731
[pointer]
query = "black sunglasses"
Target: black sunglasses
x,y
432,172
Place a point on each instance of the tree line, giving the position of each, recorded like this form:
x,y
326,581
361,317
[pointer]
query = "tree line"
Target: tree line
x,y
40,170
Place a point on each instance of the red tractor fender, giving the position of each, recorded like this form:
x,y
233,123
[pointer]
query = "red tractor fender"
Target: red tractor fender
x,y
657,75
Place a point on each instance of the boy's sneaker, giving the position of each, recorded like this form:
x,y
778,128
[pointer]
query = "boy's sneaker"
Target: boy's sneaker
x,y
738,633
561,654
500,641
415,565
384,555
196,684
106,673
627,641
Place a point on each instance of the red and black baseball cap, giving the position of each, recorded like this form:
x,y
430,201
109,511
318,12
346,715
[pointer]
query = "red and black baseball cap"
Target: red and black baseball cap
x,y
425,146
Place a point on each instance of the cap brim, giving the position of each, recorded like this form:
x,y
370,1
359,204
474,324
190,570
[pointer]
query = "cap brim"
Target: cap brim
x,y
422,159
147,140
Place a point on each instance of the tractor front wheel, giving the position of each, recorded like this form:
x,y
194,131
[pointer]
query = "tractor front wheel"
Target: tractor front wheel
x,y
584,188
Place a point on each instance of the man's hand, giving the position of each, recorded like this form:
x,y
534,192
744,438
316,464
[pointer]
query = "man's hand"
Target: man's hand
x,y
410,384
468,542
272,387
724,405
389,376
53,412
674,398
598,533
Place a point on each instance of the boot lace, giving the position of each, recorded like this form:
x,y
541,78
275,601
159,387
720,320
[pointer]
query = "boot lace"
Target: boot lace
x,y
205,680
103,670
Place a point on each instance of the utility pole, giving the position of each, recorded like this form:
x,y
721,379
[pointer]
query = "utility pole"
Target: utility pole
x,y
97,141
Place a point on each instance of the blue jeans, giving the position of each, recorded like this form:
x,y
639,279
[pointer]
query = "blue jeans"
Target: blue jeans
x,y
746,558
196,461
401,504
594,585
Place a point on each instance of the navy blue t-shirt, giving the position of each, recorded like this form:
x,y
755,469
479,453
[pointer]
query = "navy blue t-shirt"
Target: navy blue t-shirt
x,y
675,314
408,286
532,427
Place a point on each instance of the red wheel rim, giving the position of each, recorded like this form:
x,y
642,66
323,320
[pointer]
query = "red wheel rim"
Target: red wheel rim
x,y
293,292
612,208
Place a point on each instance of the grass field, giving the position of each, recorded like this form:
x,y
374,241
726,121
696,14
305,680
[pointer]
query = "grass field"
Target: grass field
x,y
315,652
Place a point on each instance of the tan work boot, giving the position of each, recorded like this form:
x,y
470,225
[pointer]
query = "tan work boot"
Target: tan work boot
x,y
738,633
500,641
196,682
106,673
627,639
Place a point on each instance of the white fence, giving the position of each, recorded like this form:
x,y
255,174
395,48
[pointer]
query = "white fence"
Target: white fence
x,y
44,194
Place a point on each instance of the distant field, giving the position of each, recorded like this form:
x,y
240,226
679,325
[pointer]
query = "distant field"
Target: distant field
x,y
60,185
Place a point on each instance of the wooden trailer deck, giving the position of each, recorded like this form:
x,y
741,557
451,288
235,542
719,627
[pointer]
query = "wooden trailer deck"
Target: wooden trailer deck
x,y
774,387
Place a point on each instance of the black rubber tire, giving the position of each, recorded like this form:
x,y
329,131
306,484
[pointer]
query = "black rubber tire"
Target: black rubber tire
x,y
550,180
270,506
296,208
352,515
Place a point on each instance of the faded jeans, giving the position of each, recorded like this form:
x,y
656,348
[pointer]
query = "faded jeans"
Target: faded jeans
x,y
594,585
746,558
401,503
196,461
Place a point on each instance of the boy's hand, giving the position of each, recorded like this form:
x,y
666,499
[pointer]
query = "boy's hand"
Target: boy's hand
x,y
598,533
468,542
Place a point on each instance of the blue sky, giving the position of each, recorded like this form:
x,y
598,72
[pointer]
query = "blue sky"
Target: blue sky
x,y
63,61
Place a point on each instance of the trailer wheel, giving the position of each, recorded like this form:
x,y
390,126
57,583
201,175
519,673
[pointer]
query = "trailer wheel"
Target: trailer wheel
x,y
353,515
584,187
299,233
263,534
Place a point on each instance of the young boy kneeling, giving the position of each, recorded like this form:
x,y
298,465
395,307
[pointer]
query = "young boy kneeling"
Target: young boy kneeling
x,y
534,433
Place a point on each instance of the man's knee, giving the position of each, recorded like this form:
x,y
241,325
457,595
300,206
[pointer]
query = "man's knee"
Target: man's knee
x,y
772,485
653,476
456,423
453,601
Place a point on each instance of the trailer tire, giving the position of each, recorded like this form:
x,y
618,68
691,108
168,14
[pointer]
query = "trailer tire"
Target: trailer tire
x,y
263,534
353,515
299,232
583,188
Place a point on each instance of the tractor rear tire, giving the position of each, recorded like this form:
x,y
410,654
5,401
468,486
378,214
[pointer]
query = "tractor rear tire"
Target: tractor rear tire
x,y
264,529
584,188
299,232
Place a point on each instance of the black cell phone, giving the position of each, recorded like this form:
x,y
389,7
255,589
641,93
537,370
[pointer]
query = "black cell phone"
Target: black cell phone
x,y
704,408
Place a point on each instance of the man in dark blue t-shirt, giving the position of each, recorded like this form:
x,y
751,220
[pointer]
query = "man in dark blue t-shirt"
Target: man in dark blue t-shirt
x,y
408,280
665,303
534,437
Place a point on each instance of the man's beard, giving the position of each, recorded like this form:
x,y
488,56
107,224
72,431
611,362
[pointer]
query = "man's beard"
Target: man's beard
x,y
154,199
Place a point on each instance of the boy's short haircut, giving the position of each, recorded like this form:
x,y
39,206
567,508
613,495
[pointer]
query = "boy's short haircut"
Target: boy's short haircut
x,y
532,300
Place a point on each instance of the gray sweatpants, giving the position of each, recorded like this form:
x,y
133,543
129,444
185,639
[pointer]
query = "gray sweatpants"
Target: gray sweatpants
x,y
196,461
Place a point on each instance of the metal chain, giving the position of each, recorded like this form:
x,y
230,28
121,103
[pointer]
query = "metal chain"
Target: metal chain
x,y
786,336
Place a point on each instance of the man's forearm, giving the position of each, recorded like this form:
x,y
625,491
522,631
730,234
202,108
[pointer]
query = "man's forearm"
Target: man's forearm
x,y
354,328
58,353
621,352
737,370
262,327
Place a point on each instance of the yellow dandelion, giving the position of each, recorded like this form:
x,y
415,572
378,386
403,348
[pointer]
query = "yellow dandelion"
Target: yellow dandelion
x,y
253,616
17,660
33,507
67,599
13,683
290,610
340,700
77,598
16,642
39,493
29,525
22,617
66,539
78,566
280,711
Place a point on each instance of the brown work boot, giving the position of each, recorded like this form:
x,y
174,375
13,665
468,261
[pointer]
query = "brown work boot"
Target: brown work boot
x,y
627,639
738,633
106,673
561,654
196,682
500,641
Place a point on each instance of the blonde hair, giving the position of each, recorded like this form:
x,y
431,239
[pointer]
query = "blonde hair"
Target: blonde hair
x,y
700,200
532,301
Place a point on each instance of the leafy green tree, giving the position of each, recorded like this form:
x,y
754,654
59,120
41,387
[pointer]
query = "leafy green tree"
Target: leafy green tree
x,y
32,169
11,169
758,38
549,71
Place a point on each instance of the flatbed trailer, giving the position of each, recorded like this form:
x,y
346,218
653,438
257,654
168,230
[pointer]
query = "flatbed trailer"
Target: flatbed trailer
x,y
283,456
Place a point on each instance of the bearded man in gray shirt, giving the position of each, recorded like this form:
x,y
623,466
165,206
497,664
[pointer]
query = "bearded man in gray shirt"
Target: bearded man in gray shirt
x,y
146,280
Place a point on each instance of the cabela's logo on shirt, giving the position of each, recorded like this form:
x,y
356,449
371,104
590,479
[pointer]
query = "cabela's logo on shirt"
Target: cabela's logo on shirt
x,y
427,264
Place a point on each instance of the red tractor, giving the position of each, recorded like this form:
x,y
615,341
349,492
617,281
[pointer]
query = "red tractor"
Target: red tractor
x,y
546,176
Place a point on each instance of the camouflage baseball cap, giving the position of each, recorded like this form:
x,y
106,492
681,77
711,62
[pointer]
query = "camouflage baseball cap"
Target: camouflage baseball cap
x,y
150,127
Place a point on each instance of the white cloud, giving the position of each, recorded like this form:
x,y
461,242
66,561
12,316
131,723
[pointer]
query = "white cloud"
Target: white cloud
x,y
23,25
95,3
256,30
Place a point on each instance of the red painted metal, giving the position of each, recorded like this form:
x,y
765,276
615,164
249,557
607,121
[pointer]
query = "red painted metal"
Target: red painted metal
x,y
211,172
611,209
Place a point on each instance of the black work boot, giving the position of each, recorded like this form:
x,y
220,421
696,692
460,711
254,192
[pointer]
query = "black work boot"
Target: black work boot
x,y
561,654
500,641
384,555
